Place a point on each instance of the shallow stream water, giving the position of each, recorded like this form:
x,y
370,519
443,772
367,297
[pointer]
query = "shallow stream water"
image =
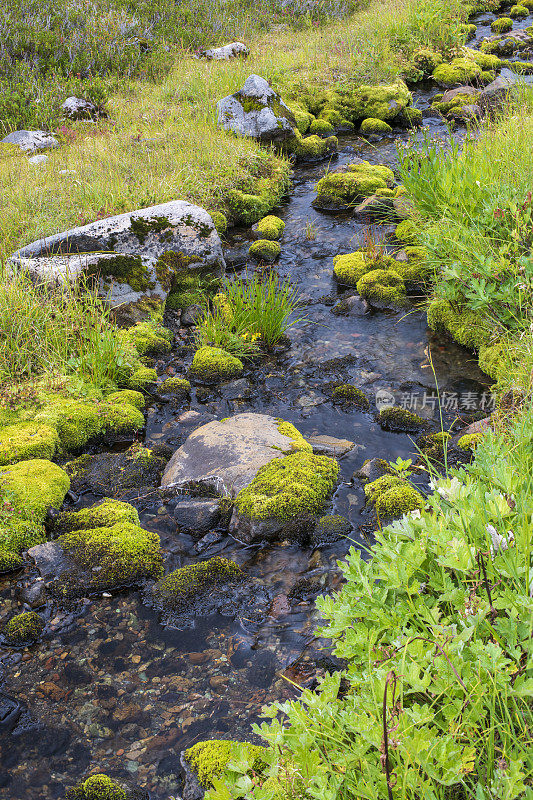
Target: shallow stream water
x,y
110,687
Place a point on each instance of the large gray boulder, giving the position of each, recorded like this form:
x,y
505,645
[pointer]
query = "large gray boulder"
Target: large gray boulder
x,y
135,257
233,50
496,93
30,141
79,108
224,457
257,111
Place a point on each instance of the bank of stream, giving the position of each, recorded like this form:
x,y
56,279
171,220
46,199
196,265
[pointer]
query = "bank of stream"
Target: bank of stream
x,y
112,688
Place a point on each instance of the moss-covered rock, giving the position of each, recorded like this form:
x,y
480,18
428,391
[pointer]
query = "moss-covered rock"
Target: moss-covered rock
x,y
350,267
141,378
383,102
338,190
348,395
119,555
382,286
406,232
25,440
400,420
97,787
469,31
468,328
209,759
102,515
370,125
270,227
297,441
434,444
180,586
413,267
321,127
397,501
215,364
148,339
382,484
127,396
501,25
411,117
519,12
116,473
303,117
34,486
23,629
426,60
494,359
310,148
246,208
457,72
484,60
470,441
9,561
220,222
265,251
288,488
330,528
179,387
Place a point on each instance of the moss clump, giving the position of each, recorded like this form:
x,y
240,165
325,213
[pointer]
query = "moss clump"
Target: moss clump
x,y
371,125
219,221
494,359
434,444
380,485
118,555
285,488
455,104
412,117
249,208
97,787
311,147
303,118
349,395
468,328
382,285
215,364
468,31
458,71
501,25
124,269
9,561
102,515
175,385
376,102
210,758
483,60
426,60
298,443
470,441
177,301
34,486
265,251
270,227
321,127
148,339
141,378
397,501
26,440
342,189
349,268
331,528
127,396
406,232
181,585
519,12
415,269
23,629
399,420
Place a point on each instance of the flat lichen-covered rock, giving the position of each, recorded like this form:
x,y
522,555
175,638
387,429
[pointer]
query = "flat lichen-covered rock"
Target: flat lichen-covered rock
x,y
283,492
257,111
223,457
135,256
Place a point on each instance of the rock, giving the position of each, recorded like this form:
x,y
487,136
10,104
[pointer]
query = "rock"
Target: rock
x,y
49,559
30,141
190,315
351,306
39,159
465,113
79,108
329,529
233,50
372,469
330,446
10,711
495,93
116,474
225,456
135,256
451,94
197,516
257,111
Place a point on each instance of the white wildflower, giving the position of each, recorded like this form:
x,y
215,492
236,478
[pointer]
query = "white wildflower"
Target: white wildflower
x,y
500,542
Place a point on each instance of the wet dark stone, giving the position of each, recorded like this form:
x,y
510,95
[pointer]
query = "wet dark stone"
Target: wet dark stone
x,y
10,711
197,516
116,474
330,529
169,765
263,668
76,674
306,589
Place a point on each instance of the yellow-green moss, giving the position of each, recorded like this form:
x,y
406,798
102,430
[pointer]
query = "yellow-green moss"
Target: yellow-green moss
x,y
501,25
26,440
380,485
470,441
397,501
400,420
349,268
412,117
458,71
247,208
377,102
219,221
371,125
102,515
182,584
265,250
175,385
9,561
270,227
494,360
141,378
303,118
209,759
124,553
321,127
358,182
298,442
426,60
215,364
350,395
97,787
468,31
148,338
416,268
433,444
34,486
406,232
468,328
519,12
129,397
289,487
311,147
24,629
382,285
483,60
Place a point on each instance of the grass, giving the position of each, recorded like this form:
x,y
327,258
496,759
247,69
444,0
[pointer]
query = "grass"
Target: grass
x,y
161,142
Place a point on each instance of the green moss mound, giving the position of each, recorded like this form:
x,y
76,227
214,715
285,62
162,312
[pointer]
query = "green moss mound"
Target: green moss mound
x,y
9,561
176,386
23,629
34,486
397,501
219,221
311,147
383,102
289,487
374,488
298,442
129,397
215,364
182,584
412,117
349,268
434,444
458,71
265,251
468,328
359,181
209,759
97,787
350,395
105,514
148,339
382,285
426,60
501,25
141,378
470,441
270,227
321,127
468,31
400,420
26,440
519,12
371,125
123,554
415,269
406,232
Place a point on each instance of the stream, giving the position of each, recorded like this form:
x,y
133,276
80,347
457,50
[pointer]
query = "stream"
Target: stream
x,y
110,687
